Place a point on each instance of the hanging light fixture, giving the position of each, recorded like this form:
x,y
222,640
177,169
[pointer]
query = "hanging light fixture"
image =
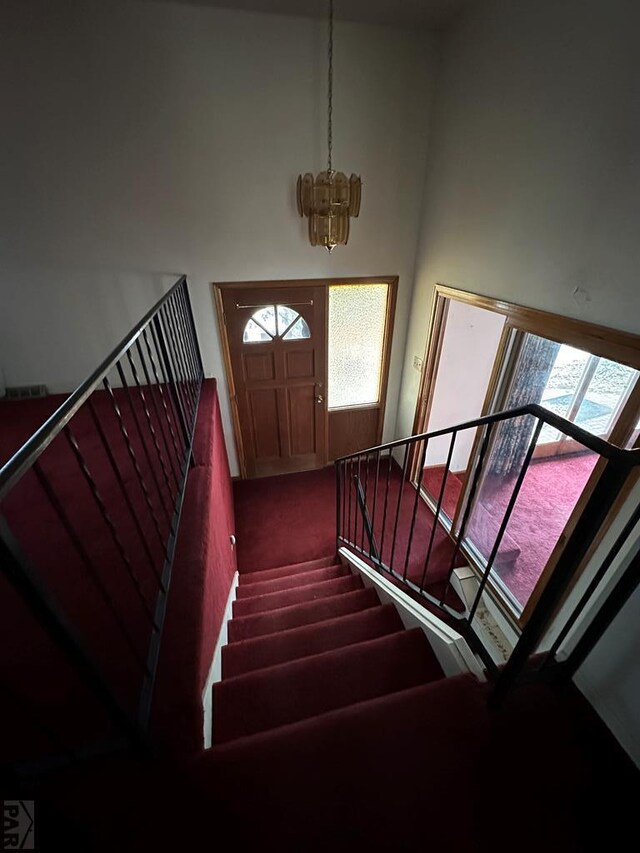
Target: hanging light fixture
x,y
330,199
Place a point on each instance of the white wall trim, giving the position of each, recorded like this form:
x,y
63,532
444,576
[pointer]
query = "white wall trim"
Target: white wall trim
x,y
215,671
450,647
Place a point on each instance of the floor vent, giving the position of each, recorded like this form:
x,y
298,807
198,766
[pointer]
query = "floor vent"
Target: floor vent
x,y
26,392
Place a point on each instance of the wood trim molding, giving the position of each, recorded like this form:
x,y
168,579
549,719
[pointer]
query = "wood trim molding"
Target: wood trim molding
x,y
598,340
431,361
233,401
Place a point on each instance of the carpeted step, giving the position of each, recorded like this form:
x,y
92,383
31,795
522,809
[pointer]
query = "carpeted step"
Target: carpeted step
x,y
247,656
282,694
397,755
308,613
284,571
310,592
247,590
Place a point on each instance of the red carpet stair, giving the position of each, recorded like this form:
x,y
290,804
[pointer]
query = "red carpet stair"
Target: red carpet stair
x,y
323,722
308,639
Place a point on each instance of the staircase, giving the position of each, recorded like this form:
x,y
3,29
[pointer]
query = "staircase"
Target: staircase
x,y
308,639
321,716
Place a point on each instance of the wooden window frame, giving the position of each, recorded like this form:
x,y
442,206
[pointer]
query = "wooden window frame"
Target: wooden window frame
x,y
391,281
616,345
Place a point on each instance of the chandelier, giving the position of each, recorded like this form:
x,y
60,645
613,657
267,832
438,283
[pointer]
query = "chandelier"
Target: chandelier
x,y
330,199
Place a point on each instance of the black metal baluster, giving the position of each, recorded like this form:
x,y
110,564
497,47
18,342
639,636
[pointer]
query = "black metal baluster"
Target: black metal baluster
x,y
156,408
468,508
134,461
375,494
122,484
178,331
594,583
366,487
357,514
75,447
149,420
168,319
184,287
343,471
86,560
366,523
188,338
187,402
605,491
350,485
20,573
338,492
159,338
386,502
400,496
436,517
143,443
168,415
415,507
505,520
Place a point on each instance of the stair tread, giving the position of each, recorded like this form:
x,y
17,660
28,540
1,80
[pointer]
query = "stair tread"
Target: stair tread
x,y
248,590
281,694
309,592
284,571
345,751
249,655
306,613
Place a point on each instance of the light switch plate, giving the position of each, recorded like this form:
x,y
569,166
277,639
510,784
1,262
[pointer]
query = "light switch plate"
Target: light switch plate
x,y
417,363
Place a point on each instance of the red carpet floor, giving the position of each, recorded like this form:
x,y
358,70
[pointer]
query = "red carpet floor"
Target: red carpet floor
x,y
548,496
292,518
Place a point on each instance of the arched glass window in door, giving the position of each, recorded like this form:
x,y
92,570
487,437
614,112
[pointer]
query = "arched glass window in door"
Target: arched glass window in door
x,y
275,321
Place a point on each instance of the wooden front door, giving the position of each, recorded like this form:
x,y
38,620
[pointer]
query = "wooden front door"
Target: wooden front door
x,y
277,343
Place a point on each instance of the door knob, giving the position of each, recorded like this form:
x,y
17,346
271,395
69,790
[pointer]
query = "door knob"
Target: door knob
x,y
319,399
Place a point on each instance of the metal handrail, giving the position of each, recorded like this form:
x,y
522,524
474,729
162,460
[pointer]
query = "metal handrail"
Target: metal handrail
x,y
618,465
591,442
24,458
164,387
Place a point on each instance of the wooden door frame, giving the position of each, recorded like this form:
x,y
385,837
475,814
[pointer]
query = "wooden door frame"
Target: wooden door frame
x,y
613,344
219,287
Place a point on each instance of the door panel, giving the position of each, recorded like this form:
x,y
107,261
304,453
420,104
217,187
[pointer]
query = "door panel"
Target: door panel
x,y
302,437
277,349
263,406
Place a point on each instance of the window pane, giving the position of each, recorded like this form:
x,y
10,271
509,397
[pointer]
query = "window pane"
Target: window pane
x,y
298,331
266,317
357,316
286,316
561,386
606,393
254,334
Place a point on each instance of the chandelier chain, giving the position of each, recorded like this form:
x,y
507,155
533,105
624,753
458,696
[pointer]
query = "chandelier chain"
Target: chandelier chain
x,y
330,90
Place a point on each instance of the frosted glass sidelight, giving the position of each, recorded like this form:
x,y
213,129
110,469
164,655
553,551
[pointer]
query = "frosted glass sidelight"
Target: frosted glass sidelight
x,y
357,319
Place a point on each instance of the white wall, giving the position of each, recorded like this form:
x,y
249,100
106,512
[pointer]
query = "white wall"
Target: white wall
x,y
532,195
461,383
142,139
